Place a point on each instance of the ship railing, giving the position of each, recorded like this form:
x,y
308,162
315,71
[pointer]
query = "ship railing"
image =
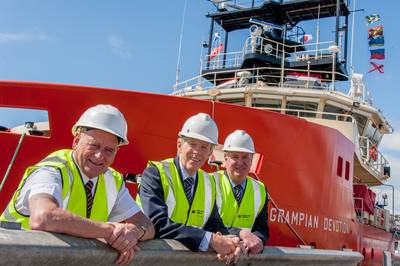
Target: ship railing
x,y
262,76
359,208
222,60
371,156
311,114
302,52
266,46
238,4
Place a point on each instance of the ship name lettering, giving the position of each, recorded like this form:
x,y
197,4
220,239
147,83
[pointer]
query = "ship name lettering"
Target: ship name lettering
x,y
294,218
337,226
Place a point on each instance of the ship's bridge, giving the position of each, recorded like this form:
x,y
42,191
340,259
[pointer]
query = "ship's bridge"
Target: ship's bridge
x,y
306,95
276,40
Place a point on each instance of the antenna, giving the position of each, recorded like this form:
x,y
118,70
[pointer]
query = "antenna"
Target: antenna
x,y
178,64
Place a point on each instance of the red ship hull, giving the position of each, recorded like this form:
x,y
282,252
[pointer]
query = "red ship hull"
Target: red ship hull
x,y
299,158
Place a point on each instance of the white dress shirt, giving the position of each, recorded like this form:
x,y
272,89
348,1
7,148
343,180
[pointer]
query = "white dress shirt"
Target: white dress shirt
x,y
48,180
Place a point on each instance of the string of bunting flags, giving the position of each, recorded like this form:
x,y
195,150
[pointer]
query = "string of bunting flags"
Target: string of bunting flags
x,y
376,41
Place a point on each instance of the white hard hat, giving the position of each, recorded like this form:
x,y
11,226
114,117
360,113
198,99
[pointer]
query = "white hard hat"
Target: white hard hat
x,y
201,127
105,117
240,141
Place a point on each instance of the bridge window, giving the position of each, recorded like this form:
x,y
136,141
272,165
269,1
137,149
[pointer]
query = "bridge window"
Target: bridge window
x,y
238,101
273,104
303,109
332,109
361,122
347,170
339,169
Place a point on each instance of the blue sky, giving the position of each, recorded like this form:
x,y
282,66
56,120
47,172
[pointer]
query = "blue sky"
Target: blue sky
x,y
134,45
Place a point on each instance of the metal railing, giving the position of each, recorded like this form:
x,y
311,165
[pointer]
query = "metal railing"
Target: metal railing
x,y
261,45
359,211
311,114
371,156
239,3
223,60
259,75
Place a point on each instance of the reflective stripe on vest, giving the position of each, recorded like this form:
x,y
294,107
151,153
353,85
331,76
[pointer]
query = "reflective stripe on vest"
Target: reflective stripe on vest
x,y
253,200
179,209
73,192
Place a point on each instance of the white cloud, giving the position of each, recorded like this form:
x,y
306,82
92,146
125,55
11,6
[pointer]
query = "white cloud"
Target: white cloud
x,y
394,162
118,46
23,37
391,142
385,190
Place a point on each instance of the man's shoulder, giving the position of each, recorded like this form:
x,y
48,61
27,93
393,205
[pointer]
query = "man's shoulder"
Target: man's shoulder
x,y
259,182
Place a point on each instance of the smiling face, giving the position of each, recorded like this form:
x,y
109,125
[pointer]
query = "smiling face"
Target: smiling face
x,y
193,153
238,165
94,151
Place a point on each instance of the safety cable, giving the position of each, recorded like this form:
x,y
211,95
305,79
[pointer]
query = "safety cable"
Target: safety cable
x,y
12,161
283,216
273,203
286,221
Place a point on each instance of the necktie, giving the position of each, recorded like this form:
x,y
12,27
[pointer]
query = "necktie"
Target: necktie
x,y
187,186
89,197
237,190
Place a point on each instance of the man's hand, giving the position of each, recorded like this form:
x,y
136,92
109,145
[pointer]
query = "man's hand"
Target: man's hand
x,y
124,239
252,243
227,247
126,256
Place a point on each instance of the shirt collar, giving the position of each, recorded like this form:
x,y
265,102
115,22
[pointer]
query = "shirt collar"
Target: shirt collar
x,y
243,184
183,171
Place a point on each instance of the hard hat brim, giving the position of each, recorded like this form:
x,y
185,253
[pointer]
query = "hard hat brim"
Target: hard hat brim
x,y
239,150
124,141
198,137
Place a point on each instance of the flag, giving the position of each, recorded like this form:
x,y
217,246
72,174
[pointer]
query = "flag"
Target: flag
x,y
306,38
375,31
216,50
217,36
375,67
372,18
377,41
378,54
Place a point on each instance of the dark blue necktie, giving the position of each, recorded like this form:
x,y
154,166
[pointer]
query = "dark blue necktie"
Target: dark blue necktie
x,y
237,191
187,186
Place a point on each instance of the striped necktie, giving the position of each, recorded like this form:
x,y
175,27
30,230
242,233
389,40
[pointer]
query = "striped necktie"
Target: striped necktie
x,y
237,191
187,186
89,197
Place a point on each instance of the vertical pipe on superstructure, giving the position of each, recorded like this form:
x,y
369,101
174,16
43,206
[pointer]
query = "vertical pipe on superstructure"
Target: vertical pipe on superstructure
x,y
346,39
392,200
337,22
283,57
210,39
225,47
317,41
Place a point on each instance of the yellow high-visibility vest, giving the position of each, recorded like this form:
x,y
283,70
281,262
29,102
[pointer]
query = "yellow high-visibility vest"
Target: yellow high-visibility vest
x,y
252,202
179,208
73,191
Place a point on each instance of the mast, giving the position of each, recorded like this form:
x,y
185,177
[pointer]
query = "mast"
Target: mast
x,y
178,64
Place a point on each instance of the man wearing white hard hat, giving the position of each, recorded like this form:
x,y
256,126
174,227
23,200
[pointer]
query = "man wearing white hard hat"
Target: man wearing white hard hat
x,y
242,201
179,197
74,191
